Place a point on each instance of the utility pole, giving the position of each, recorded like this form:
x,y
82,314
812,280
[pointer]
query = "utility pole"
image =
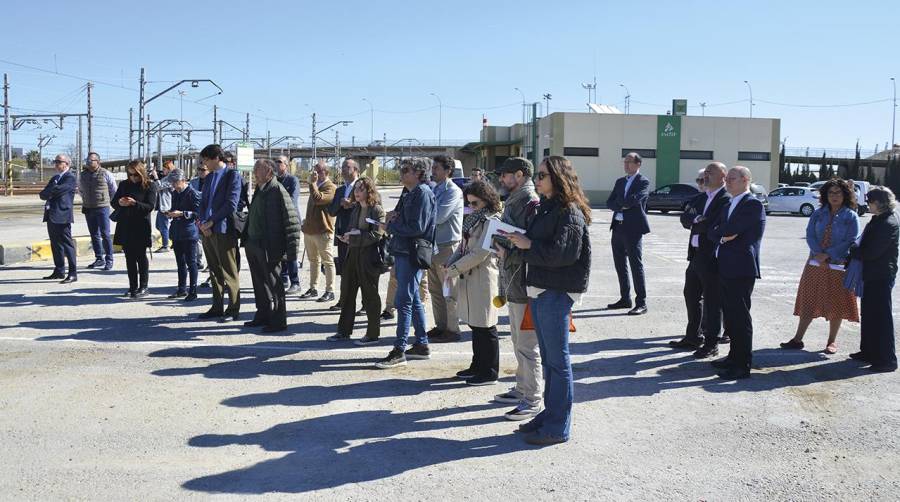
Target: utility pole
x,y
313,138
547,98
269,143
130,133
703,108
90,120
247,128
7,149
751,97
215,112
42,142
534,133
894,119
78,163
140,151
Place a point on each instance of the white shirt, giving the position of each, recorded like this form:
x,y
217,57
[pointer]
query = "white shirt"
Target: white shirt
x,y
695,239
734,202
628,179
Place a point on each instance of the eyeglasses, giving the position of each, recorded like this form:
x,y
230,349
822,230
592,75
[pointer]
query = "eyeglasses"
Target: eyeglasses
x,y
57,161
542,174
279,162
474,203
699,180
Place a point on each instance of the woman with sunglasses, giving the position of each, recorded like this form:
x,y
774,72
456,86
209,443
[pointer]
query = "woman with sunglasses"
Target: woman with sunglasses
x,y
477,271
134,201
558,260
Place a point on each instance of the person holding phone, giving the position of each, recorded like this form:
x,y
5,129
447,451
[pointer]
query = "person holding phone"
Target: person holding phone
x,y
135,199
185,235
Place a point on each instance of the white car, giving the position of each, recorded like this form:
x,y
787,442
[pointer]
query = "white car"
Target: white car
x,y
802,200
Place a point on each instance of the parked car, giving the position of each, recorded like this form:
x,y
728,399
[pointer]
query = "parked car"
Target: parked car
x,y
801,184
674,197
862,188
461,182
796,200
760,194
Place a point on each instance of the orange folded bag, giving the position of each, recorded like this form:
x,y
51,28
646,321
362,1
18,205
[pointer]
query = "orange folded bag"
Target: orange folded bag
x,y
528,322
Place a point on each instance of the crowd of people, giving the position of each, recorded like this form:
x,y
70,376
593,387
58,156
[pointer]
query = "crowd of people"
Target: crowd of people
x,y
442,243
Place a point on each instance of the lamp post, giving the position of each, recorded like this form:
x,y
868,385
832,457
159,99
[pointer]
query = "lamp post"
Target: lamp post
x,y
371,121
590,87
440,116
627,98
750,88
894,109
523,103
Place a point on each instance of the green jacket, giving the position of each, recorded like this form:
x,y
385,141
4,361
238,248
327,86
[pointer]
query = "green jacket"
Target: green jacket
x,y
273,221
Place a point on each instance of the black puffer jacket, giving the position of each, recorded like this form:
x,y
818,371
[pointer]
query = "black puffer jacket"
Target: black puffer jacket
x,y
560,253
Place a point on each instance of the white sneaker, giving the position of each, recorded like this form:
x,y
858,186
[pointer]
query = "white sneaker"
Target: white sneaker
x,y
523,411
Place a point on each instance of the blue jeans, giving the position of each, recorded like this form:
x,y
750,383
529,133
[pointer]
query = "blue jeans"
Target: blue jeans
x,y
289,271
551,312
407,302
186,260
98,226
162,224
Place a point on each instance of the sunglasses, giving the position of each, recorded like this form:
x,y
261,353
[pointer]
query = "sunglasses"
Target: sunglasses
x,y
279,162
542,174
699,180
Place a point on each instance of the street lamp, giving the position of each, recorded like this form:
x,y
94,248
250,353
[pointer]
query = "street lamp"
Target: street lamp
x,y
627,98
590,87
440,115
751,97
523,102
894,119
371,121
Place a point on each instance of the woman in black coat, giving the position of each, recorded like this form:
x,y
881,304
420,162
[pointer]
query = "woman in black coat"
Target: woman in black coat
x,y
133,202
877,250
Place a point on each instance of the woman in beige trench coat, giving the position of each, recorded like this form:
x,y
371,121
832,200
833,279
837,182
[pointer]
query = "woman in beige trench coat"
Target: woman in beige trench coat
x,y
477,271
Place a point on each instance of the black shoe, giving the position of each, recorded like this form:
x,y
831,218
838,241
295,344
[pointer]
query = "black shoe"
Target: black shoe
x,y
724,339
310,293
638,310
361,311
883,368
465,374
178,294
529,427
721,364
141,292
339,337
96,264
274,329
419,351
54,275
792,344
388,314
859,356
108,266
444,337
230,316
254,323
334,308
481,380
706,351
210,314
734,374
394,358
128,294
621,304
327,296
684,343
191,296
69,280
205,284
539,439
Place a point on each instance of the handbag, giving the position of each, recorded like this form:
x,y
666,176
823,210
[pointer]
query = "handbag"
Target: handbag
x,y
528,322
238,222
114,216
379,258
423,250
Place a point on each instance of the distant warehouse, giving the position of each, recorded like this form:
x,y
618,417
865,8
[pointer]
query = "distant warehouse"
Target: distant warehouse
x,y
674,147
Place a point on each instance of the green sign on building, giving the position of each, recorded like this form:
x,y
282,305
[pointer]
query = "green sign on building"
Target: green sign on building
x,y
668,149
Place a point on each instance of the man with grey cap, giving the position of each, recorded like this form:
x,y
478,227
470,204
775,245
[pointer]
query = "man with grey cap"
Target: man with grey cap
x,y
447,234
515,177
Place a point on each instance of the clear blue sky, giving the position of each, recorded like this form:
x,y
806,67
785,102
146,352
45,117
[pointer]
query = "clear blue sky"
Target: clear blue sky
x,y
283,60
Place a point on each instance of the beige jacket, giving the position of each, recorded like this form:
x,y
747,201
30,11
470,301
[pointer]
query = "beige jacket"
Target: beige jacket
x,y
478,276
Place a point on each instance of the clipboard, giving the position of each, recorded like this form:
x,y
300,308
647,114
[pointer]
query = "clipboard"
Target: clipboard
x,y
492,232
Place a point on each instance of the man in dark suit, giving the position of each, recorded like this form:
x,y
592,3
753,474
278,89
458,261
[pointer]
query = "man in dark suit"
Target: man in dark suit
x,y
341,207
628,201
60,196
701,279
737,235
218,202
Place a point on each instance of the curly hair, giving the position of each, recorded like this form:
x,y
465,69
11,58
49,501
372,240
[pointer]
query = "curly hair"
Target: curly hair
x,y
372,196
566,185
847,190
486,192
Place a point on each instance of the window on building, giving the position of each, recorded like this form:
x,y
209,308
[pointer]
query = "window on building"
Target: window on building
x,y
760,156
645,153
546,152
697,154
578,151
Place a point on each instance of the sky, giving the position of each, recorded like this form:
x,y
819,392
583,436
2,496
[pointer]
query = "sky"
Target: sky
x,y
281,61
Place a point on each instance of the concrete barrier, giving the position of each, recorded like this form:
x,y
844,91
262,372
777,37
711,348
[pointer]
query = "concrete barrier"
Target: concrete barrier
x,y
20,252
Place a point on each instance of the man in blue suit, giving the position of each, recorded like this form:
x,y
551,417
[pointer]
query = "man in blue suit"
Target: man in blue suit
x,y
737,235
219,201
628,201
60,196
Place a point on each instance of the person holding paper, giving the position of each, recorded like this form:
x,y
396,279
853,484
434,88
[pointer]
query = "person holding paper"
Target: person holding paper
x,y
362,233
557,253
476,270
448,199
831,230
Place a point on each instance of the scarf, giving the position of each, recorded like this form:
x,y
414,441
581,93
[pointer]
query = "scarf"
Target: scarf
x,y
472,219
